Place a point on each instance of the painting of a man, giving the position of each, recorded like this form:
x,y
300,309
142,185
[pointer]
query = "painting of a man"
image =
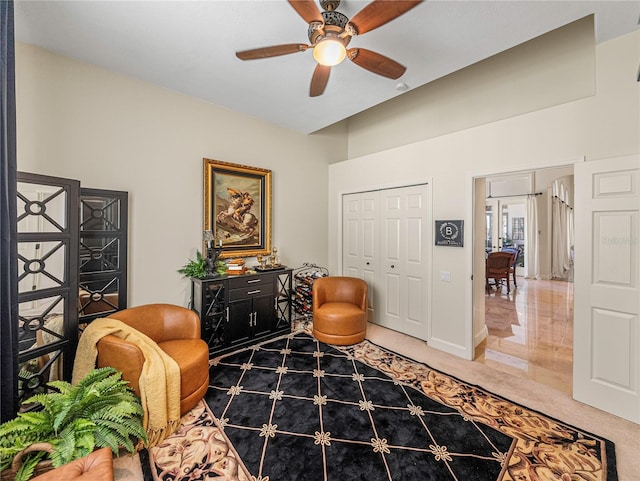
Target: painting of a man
x,y
237,208
236,214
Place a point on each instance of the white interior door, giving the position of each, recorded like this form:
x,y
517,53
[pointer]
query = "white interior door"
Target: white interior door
x,y
405,236
606,372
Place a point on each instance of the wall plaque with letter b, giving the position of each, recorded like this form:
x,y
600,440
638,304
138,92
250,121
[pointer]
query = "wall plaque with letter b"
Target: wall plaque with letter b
x,y
449,233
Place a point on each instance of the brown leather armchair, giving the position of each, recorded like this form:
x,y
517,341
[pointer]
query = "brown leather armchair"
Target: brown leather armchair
x,y
339,310
176,330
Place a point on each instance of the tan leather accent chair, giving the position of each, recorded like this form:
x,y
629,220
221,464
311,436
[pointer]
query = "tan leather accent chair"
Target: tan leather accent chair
x,y
176,330
339,310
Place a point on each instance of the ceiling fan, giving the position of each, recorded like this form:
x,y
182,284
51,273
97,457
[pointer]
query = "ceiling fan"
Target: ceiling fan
x,y
331,31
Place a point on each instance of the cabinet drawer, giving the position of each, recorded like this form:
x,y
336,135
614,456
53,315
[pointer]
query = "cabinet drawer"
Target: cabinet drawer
x,y
250,281
250,291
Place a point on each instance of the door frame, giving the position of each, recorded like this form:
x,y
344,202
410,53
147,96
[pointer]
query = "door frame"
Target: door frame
x,y
471,341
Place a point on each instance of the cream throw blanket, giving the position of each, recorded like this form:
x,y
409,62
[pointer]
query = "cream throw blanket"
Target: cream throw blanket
x,y
159,379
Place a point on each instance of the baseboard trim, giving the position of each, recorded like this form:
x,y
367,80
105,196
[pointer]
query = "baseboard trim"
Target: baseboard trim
x,y
448,347
480,336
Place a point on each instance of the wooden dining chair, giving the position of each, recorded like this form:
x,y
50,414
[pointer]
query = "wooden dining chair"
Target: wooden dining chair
x,y
498,267
516,252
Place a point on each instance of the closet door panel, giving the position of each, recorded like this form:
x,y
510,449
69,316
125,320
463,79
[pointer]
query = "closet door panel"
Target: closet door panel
x,y
391,309
414,241
360,240
415,289
369,228
350,235
404,217
350,272
369,276
393,298
418,240
369,205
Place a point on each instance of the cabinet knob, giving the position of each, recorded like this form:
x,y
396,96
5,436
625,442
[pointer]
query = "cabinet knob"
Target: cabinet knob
x,y
392,266
368,263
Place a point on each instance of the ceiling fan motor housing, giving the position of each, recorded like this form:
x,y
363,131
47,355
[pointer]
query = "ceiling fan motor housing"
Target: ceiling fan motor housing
x,y
335,24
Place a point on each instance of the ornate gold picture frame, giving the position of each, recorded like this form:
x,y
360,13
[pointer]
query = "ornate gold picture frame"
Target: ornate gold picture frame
x,y
237,208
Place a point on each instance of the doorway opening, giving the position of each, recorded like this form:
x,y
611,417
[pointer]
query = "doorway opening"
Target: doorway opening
x,y
527,331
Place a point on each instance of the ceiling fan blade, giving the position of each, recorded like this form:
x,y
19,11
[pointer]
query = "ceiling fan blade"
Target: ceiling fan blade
x,y
319,80
307,9
379,12
273,51
376,63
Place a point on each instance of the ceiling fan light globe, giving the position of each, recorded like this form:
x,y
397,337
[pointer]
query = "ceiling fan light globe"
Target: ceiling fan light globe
x,y
329,52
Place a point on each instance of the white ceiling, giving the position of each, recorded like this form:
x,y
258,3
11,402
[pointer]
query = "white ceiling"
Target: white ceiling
x,y
189,46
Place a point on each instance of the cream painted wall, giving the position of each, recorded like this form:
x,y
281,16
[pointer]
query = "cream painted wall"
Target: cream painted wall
x,y
604,125
109,131
553,68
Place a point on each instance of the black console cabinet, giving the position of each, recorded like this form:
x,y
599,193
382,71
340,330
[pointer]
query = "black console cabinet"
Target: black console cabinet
x,y
238,311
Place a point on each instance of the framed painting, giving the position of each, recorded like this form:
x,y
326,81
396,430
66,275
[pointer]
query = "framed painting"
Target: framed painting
x,y
237,208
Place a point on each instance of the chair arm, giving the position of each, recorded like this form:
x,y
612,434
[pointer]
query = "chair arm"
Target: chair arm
x,y
123,356
362,298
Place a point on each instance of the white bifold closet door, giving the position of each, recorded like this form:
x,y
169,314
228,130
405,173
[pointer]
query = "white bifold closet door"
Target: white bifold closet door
x,y
386,239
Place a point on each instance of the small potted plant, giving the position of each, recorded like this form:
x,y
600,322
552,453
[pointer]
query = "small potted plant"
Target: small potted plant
x,y
200,267
195,268
100,411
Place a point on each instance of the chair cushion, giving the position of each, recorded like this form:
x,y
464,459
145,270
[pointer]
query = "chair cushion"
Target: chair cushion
x,y
339,313
339,323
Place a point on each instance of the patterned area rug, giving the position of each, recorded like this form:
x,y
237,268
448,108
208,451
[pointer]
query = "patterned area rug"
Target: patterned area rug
x,y
298,409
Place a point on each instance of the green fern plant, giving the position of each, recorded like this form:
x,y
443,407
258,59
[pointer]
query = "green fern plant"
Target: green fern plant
x,y
100,411
195,268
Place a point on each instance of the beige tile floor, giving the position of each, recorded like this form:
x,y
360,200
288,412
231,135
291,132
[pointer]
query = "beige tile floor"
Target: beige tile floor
x,y
530,332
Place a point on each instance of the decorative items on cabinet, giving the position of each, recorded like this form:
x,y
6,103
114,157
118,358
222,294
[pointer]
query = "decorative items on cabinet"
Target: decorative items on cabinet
x,y
195,268
237,311
214,265
302,299
270,262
